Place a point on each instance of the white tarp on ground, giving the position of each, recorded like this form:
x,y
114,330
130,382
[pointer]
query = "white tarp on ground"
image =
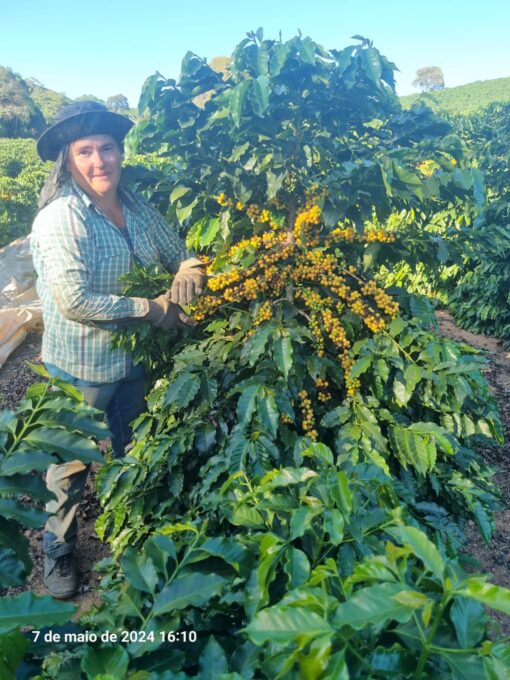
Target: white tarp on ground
x,y
20,307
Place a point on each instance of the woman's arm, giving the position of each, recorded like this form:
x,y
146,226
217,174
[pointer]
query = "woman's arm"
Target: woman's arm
x,y
63,252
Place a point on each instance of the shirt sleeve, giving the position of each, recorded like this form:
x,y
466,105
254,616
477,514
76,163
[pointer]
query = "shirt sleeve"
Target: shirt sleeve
x,y
63,254
171,248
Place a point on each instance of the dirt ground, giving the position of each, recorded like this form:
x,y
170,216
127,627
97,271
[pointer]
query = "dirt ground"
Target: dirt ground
x,y
493,559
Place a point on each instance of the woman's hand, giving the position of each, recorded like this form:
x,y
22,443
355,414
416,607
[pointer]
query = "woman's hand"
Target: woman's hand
x,y
167,315
188,282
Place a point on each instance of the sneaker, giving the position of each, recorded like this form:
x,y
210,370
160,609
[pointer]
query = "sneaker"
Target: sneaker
x,y
61,576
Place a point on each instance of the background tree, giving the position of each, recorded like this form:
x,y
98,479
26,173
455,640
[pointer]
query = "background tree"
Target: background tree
x,y
47,100
118,103
429,78
19,114
89,97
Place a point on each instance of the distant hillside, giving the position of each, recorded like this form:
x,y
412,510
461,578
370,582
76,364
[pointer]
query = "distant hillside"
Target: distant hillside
x,y
27,107
19,114
464,99
47,100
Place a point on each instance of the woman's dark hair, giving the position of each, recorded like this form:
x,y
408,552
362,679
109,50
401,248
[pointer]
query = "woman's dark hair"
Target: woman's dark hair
x,y
57,178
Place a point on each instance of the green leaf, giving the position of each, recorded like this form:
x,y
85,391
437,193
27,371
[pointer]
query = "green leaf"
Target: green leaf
x,y
8,421
68,445
26,461
411,448
182,390
213,661
105,660
373,605
283,354
297,567
12,650
338,416
412,376
283,625
237,98
488,594
178,192
32,610
247,404
245,516
371,63
360,366
268,413
183,213
307,51
468,617
301,521
12,569
337,668
319,451
288,477
400,390
334,525
413,599
261,89
208,234
441,436
28,517
255,346
422,547
396,327
465,666
228,548
12,538
341,492
237,450
191,590
38,369
21,485
139,570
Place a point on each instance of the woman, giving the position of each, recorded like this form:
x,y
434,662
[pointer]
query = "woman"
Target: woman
x,y
87,233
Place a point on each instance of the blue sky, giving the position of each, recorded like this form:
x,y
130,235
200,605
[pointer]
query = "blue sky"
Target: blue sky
x,y
106,47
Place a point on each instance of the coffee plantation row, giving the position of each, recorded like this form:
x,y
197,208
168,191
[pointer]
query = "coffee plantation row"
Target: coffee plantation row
x,y
294,500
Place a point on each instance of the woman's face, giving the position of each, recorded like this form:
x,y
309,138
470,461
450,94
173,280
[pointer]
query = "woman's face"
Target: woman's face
x,y
95,164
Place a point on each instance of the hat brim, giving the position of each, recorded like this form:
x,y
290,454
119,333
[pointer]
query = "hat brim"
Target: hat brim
x,y
81,125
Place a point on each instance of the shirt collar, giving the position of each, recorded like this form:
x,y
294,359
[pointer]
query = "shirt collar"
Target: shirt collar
x,y
124,195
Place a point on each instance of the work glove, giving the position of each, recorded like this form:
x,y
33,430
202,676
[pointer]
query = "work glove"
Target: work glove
x,y
167,315
188,282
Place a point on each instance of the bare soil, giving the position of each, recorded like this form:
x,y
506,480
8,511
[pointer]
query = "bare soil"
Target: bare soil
x,y
493,559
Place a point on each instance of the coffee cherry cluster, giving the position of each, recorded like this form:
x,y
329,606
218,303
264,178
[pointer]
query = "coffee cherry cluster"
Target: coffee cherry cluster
x,y
297,263
265,314
307,414
322,392
348,234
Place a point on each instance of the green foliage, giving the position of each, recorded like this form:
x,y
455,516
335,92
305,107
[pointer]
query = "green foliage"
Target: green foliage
x,y
464,99
47,100
22,175
19,114
292,554
47,426
292,505
485,275
52,424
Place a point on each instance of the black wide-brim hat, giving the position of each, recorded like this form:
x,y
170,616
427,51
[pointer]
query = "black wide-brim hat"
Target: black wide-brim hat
x,y
77,120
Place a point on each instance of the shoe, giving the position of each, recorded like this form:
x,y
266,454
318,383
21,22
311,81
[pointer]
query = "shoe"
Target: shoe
x,y
61,576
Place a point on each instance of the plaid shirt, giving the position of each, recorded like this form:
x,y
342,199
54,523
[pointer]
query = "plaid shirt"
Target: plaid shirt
x,y
79,256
